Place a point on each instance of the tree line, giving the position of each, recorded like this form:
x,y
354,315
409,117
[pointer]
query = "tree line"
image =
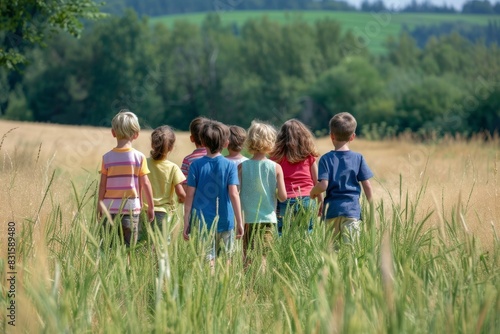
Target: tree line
x,y
161,7
267,70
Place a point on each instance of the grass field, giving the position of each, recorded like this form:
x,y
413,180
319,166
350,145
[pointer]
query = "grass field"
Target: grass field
x,y
388,24
428,259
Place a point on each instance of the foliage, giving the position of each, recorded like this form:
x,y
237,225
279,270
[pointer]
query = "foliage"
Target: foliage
x,y
488,34
477,7
158,7
25,23
259,68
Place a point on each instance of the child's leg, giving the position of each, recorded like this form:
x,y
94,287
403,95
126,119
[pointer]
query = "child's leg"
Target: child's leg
x,y
227,239
160,219
350,230
332,233
280,213
247,242
129,226
305,206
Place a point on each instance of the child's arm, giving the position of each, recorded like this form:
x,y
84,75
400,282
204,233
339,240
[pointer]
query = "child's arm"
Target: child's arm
x,y
235,202
367,189
188,204
180,192
239,176
314,177
318,189
146,189
314,172
102,191
280,184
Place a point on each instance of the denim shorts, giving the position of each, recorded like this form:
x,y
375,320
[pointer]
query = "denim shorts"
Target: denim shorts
x,y
298,206
221,241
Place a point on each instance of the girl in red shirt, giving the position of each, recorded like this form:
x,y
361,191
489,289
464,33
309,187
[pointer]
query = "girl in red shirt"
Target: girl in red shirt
x,y
296,153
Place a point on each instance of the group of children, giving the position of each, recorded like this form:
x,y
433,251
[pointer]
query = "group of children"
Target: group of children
x,y
234,196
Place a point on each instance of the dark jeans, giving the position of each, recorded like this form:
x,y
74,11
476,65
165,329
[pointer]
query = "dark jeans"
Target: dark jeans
x,y
159,221
299,206
129,227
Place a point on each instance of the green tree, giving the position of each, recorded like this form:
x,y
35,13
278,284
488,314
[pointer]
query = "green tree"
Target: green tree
x,y
18,106
88,81
347,87
25,23
477,7
482,107
404,52
429,105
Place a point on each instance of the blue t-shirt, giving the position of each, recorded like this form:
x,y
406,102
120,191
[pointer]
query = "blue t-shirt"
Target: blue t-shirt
x,y
211,178
344,171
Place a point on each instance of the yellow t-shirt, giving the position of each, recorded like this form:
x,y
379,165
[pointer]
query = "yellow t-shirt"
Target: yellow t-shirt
x,y
164,176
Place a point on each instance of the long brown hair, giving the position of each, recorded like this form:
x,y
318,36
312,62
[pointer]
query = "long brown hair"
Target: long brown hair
x,y
295,142
162,142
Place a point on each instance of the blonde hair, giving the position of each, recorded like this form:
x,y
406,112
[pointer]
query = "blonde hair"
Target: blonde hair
x,y
162,142
295,142
343,125
237,136
125,124
260,137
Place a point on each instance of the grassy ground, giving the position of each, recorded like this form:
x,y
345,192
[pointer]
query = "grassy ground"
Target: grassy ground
x,y
384,25
428,259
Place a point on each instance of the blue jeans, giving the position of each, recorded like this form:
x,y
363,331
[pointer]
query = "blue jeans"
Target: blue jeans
x,y
298,205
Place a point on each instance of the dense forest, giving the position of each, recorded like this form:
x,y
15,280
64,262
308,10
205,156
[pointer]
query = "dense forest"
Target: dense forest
x,y
427,82
161,7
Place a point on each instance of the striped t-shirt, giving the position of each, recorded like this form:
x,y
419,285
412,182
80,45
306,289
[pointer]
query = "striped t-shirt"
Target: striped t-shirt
x,y
123,167
188,160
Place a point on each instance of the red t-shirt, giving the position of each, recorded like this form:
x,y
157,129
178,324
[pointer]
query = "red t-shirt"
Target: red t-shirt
x,y
298,178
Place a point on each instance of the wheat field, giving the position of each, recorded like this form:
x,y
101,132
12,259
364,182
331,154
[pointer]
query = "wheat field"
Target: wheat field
x,y
456,173
49,175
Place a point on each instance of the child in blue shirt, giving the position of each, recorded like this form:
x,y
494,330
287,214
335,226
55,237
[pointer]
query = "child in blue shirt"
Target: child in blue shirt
x,y
342,173
212,192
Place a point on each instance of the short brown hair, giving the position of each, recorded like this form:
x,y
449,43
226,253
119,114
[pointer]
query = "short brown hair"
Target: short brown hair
x,y
342,126
214,136
237,136
162,142
195,128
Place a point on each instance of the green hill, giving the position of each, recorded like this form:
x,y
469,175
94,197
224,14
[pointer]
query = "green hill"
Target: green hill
x,y
376,27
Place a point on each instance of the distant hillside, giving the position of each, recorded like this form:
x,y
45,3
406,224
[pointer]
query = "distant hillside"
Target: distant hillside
x,y
375,27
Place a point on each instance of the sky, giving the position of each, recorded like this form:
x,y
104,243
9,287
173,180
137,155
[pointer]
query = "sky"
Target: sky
x,y
401,3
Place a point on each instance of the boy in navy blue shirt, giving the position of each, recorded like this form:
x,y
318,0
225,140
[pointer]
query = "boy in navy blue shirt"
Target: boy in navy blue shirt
x,y
342,173
212,192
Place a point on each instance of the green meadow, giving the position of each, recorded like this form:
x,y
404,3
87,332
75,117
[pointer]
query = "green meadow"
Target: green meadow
x,y
378,26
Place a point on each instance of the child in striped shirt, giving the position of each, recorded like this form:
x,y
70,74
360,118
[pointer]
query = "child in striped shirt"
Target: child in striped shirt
x,y
195,128
124,178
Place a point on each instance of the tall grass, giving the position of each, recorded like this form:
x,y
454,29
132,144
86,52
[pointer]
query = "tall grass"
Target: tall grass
x,y
401,277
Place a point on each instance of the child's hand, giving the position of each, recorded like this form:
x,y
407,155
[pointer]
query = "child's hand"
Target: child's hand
x,y
185,233
151,214
239,231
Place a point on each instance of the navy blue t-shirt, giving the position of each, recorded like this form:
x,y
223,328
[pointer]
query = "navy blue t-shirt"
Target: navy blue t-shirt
x,y
344,171
211,178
